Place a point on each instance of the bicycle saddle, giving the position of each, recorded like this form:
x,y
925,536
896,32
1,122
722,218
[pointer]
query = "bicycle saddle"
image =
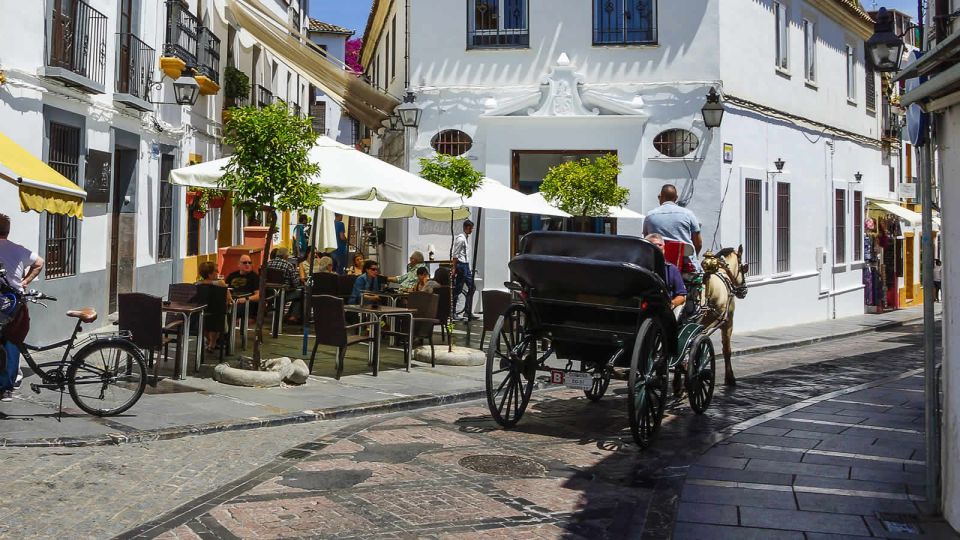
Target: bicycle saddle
x,y
87,315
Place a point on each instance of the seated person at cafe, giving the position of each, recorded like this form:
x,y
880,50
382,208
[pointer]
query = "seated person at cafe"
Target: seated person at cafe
x,y
357,268
675,286
291,279
367,285
424,283
408,280
245,280
318,265
325,265
208,276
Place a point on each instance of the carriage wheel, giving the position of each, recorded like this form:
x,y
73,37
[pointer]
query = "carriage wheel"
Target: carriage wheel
x,y
701,372
601,383
511,352
647,382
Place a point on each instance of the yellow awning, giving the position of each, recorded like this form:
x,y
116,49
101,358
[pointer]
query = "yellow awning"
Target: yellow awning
x,y
42,189
362,101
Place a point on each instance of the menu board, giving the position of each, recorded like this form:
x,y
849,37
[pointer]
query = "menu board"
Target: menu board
x,y
96,180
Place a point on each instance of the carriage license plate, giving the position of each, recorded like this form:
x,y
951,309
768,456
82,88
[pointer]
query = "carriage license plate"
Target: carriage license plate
x,y
572,379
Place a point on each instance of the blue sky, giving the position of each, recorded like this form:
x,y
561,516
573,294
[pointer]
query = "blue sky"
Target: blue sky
x,y
352,14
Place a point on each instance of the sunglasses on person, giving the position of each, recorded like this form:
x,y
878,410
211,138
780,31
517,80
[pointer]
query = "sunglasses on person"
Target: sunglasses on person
x,y
246,262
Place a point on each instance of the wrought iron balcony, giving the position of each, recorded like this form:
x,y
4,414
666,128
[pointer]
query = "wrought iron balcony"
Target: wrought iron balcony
x,y
78,45
134,71
183,30
264,97
208,53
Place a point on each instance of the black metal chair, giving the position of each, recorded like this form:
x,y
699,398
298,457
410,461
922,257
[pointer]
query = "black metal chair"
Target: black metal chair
x,y
325,283
185,293
214,297
330,328
345,286
277,285
443,309
494,304
425,304
141,315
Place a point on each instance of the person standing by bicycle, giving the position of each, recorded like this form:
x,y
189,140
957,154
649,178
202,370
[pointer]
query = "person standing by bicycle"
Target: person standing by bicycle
x,y
22,267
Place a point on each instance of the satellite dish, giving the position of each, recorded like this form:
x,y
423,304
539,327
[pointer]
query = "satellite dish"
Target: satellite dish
x,y
918,121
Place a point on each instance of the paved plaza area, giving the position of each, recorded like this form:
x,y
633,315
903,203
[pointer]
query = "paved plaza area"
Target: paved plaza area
x,y
829,441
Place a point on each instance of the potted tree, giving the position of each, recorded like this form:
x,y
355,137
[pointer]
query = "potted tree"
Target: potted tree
x,y
270,171
457,174
585,188
236,88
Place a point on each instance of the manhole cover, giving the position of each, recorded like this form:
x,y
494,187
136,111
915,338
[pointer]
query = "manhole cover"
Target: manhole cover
x,y
503,465
899,523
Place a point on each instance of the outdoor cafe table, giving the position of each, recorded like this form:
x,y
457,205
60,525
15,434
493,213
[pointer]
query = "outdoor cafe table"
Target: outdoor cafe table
x,y
232,343
378,314
187,311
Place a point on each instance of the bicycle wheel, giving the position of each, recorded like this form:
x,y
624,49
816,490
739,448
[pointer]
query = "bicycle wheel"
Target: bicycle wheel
x,y
511,359
107,377
701,369
647,383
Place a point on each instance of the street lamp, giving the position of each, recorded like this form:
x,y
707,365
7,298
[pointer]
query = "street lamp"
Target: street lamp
x,y
885,47
712,110
395,124
408,111
186,90
858,177
779,163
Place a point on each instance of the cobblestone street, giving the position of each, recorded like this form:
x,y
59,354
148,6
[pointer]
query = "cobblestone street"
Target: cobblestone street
x,y
568,470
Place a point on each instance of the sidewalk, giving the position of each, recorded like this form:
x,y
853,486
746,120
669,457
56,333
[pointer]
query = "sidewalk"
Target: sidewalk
x,y
848,463
200,405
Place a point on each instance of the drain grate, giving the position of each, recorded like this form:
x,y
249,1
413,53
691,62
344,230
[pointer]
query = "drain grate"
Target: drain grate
x,y
503,465
295,454
900,523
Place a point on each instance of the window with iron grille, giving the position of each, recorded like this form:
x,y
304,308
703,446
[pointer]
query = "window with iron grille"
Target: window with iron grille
x,y
851,70
451,142
165,211
753,212
782,35
193,235
624,22
840,226
783,227
809,50
318,112
870,88
60,248
857,225
497,23
393,49
676,142
354,132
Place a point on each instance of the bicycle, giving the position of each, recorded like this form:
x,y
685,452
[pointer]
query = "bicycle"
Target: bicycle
x,y
105,377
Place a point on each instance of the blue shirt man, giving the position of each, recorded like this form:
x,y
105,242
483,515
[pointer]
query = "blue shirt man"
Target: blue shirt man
x,y
673,221
340,255
675,287
368,282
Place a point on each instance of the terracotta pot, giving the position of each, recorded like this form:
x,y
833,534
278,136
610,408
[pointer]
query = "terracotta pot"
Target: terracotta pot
x,y
217,202
191,196
199,214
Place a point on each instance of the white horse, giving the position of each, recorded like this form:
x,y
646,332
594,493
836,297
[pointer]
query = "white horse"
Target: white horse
x,y
721,286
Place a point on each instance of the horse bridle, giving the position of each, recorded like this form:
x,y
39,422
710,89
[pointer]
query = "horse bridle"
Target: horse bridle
x,y
740,291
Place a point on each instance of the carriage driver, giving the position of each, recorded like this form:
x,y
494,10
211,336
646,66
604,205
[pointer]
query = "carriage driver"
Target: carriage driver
x,y
672,221
675,286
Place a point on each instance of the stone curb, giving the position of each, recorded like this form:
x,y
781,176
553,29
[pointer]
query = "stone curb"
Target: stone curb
x,y
820,339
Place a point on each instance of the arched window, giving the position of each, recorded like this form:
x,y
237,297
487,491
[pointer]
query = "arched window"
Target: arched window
x,y
451,142
676,142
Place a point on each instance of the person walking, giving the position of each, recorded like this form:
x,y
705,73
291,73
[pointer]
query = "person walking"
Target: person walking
x,y
301,238
462,274
672,221
340,255
22,266
937,278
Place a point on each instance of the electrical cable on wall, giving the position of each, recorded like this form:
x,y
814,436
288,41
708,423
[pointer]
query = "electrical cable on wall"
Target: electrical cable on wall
x,y
723,199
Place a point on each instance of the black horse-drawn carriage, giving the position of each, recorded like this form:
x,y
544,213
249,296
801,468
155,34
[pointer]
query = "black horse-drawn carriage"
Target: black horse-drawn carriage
x,y
600,301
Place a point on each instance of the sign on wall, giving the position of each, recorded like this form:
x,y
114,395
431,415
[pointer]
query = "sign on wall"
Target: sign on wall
x,y
727,153
96,178
908,190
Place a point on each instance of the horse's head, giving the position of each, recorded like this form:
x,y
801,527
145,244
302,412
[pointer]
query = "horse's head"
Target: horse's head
x,y
731,261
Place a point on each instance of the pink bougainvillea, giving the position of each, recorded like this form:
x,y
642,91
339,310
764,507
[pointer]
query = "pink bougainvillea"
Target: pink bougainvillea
x,y
353,55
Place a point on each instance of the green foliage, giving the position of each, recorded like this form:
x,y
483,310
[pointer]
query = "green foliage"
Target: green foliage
x,y
236,84
270,166
455,173
585,187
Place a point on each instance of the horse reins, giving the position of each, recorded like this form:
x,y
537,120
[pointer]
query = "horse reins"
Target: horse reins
x,y
740,291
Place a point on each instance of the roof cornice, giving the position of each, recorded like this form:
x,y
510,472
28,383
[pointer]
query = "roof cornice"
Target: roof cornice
x,y
849,14
376,22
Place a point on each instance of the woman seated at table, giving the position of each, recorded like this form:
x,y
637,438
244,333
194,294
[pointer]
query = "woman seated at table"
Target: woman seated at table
x,y
408,280
321,263
368,285
208,276
358,263
424,283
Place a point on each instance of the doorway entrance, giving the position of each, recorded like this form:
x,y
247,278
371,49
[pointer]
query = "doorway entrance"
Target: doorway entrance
x,y
123,222
529,167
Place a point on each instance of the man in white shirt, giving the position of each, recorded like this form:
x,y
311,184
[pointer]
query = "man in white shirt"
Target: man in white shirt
x,y
463,276
22,266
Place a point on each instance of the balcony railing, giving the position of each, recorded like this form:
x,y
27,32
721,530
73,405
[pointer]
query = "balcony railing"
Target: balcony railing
x,y
134,66
183,30
78,44
209,55
264,97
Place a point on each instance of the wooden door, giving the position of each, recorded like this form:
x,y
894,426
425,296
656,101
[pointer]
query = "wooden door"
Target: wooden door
x,y
63,30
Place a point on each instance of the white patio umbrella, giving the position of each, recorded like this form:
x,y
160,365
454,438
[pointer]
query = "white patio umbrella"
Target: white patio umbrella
x,y
618,212
493,195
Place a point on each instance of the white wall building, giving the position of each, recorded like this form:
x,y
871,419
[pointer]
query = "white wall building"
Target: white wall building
x,y
527,84
81,81
328,115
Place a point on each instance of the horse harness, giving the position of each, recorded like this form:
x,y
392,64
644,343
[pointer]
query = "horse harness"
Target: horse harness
x,y
712,264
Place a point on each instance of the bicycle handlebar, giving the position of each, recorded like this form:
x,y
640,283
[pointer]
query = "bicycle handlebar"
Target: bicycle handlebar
x,y
34,295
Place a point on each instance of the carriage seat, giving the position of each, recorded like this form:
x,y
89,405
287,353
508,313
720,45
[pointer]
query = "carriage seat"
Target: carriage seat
x,y
552,275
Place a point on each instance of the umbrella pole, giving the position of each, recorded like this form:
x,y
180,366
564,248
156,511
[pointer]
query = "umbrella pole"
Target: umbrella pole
x,y
308,285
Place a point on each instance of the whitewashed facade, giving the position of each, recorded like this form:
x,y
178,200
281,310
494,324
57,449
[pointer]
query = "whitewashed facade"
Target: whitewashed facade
x,y
328,115
67,82
558,86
